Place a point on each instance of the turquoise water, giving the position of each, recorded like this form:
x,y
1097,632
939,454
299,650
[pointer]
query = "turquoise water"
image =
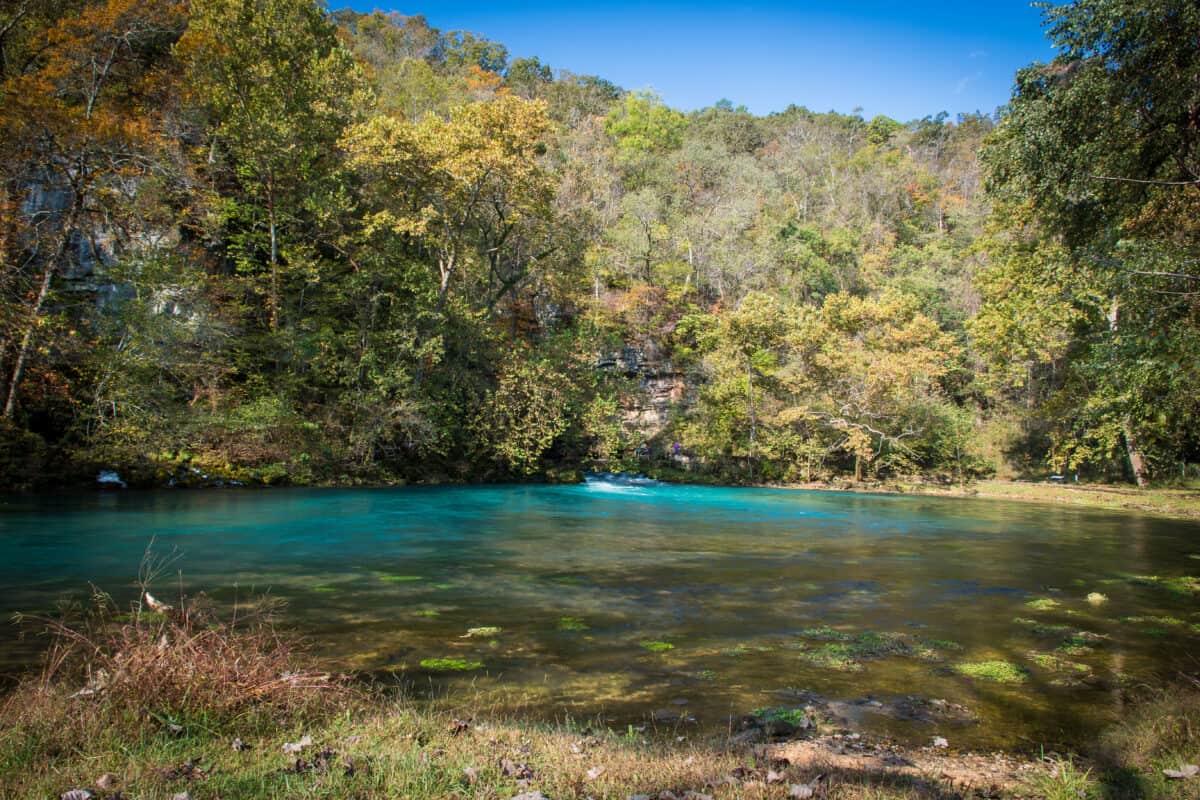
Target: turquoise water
x,y
616,601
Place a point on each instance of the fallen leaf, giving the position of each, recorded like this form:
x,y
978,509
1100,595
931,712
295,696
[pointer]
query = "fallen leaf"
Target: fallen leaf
x,y
594,772
106,781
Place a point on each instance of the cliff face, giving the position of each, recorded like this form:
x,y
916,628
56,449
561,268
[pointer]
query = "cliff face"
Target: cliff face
x,y
663,391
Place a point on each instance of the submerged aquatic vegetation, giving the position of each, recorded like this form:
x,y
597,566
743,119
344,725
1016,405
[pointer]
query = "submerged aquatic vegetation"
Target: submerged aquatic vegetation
x,y
1185,585
1042,604
572,624
1080,643
996,671
1054,663
483,631
847,652
825,633
401,578
655,646
1041,628
450,665
1164,620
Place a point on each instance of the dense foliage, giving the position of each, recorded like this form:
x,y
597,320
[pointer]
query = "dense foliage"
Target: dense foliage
x,y
256,240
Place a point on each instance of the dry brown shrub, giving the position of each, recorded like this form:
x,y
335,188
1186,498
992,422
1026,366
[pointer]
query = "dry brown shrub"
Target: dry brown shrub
x,y
171,668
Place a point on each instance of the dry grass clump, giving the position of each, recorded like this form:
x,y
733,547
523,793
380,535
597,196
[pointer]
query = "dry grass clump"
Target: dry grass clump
x,y
164,667
1160,731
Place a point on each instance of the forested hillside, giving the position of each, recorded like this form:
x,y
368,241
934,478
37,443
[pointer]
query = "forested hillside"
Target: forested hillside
x,y
254,240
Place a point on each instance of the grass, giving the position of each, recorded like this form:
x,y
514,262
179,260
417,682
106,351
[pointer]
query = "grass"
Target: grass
x,y
1065,781
1161,731
1163,501
450,665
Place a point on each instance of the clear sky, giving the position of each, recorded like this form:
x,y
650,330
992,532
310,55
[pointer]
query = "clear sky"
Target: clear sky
x,y
905,58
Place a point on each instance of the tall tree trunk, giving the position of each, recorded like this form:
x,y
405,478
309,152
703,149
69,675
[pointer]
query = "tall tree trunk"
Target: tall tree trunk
x,y
35,313
274,301
1137,459
753,414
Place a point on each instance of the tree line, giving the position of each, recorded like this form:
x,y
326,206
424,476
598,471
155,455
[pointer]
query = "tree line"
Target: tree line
x,y
263,241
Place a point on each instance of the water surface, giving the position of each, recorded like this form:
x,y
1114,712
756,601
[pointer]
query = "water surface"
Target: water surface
x,y
617,600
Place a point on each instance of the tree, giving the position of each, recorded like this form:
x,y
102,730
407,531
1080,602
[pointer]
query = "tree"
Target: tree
x,y
469,191
279,89
80,138
1101,147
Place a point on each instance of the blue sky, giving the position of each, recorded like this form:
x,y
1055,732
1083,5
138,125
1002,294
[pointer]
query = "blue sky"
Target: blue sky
x,y
905,59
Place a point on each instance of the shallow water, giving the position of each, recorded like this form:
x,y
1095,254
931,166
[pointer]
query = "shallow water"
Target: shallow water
x,y
616,600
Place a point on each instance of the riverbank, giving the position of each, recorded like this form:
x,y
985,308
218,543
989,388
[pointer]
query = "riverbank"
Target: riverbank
x,y
1173,503
174,703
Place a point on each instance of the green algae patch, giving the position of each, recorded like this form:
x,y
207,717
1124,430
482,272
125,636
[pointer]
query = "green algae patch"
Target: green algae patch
x,y
427,612
1184,585
1041,628
834,655
943,644
400,578
485,631
845,652
1042,604
572,624
1165,620
450,665
1080,643
995,671
1054,663
746,649
655,646
826,634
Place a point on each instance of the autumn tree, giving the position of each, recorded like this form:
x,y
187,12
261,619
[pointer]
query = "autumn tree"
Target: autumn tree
x,y
82,136
470,192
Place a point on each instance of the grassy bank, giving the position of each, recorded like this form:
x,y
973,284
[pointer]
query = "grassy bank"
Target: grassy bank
x,y
1162,501
157,702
